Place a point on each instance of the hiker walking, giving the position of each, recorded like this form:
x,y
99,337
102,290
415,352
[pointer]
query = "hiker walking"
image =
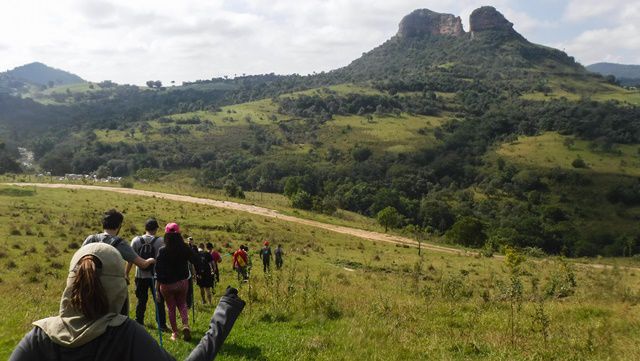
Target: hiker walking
x,y
147,246
241,263
215,255
192,273
204,275
279,253
265,255
172,273
89,326
111,223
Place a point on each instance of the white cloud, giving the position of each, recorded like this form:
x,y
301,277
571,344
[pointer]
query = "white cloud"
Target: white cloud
x,y
606,44
133,41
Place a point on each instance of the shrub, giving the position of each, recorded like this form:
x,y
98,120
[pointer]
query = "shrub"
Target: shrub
x,y
302,200
126,183
579,163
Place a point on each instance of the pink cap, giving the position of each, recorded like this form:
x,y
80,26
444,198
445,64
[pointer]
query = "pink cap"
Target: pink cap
x,y
172,228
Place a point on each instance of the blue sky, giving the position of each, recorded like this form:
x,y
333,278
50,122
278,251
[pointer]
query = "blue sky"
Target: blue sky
x,y
134,41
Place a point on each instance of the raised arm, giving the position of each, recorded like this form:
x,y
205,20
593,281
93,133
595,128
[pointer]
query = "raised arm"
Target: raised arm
x,y
220,326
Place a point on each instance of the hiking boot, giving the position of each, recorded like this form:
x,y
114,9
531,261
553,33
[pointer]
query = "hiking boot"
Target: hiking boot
x,y
186,333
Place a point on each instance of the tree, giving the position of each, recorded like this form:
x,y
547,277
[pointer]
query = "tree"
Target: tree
x,y
467,231
302,200
579,163
388,218
232,189
360,154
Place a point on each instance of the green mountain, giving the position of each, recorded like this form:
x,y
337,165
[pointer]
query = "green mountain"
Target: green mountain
x,y
41,74
625,74
434,48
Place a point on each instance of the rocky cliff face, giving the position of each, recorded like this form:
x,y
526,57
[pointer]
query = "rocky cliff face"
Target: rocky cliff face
x,y
488,18
422,22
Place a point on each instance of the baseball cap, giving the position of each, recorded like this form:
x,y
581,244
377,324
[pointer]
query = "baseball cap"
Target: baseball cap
x,y
172,228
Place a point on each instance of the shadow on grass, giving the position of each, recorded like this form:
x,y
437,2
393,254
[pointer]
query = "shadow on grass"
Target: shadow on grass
x,y
250,352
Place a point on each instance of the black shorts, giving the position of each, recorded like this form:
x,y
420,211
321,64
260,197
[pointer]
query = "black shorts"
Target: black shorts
x,y
206,281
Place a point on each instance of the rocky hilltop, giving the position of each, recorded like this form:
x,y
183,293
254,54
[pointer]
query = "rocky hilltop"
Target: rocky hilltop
x,y
488,18
423,22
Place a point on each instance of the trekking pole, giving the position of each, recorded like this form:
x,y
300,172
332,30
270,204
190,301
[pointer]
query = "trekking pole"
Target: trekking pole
x,y
193,301
155,301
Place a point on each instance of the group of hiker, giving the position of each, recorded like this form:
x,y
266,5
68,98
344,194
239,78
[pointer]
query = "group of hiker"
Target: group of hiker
x,y
242,261
93,322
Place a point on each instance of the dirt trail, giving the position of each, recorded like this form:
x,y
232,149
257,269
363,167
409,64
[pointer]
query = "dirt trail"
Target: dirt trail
x,y
271,213
261,211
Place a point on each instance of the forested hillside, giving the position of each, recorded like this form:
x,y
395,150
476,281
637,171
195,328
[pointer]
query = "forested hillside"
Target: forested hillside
x,y
436,131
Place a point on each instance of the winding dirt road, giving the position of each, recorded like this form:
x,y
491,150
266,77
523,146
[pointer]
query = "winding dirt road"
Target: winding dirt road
x,y
271,213
261,211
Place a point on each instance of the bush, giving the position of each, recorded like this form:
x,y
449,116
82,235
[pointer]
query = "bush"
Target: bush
x,y
126,183
467,231
579,163
301,200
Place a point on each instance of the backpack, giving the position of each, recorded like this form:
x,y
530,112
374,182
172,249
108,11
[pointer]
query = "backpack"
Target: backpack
x,y
204,268
112,240
147,251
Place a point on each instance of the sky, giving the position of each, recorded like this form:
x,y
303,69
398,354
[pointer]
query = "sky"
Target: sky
x,y
132,41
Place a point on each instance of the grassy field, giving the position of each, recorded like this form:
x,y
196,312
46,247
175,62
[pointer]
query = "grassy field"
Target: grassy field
x,y
337,297
549,151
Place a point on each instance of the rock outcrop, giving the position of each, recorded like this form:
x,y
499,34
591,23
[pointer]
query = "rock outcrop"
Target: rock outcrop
x,y
488,18
426,22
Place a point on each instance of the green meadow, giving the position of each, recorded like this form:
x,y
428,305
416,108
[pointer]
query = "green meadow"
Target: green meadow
x,y
338,297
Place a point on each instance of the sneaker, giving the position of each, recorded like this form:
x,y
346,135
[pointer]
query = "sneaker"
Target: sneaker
x,y
186,333
174,336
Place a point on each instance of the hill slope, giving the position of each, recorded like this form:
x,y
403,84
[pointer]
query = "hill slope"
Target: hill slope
x,y
432,48
41,74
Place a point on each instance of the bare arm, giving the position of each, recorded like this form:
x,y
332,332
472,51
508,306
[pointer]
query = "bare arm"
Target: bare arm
x,y
143,263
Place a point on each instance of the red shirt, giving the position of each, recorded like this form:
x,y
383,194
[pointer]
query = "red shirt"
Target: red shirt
x,y
216,259
216,256
240,258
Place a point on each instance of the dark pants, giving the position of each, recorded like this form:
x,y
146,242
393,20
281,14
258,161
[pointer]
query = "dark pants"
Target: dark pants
x,y
143,286
278,262
265,264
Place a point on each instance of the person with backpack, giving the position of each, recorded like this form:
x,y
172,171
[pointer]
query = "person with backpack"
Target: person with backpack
x,y
215,255
241,263
204,275
172,274
279,253
111,223
89,326
147,246
265,255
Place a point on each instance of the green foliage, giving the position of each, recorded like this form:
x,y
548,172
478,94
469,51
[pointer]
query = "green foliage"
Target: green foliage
x,y
579,163
301,200
388,218
126,183
360,154
232,189
468,231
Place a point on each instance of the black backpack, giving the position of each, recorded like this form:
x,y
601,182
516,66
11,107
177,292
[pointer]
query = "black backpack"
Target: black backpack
x,y
108,239
147,251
